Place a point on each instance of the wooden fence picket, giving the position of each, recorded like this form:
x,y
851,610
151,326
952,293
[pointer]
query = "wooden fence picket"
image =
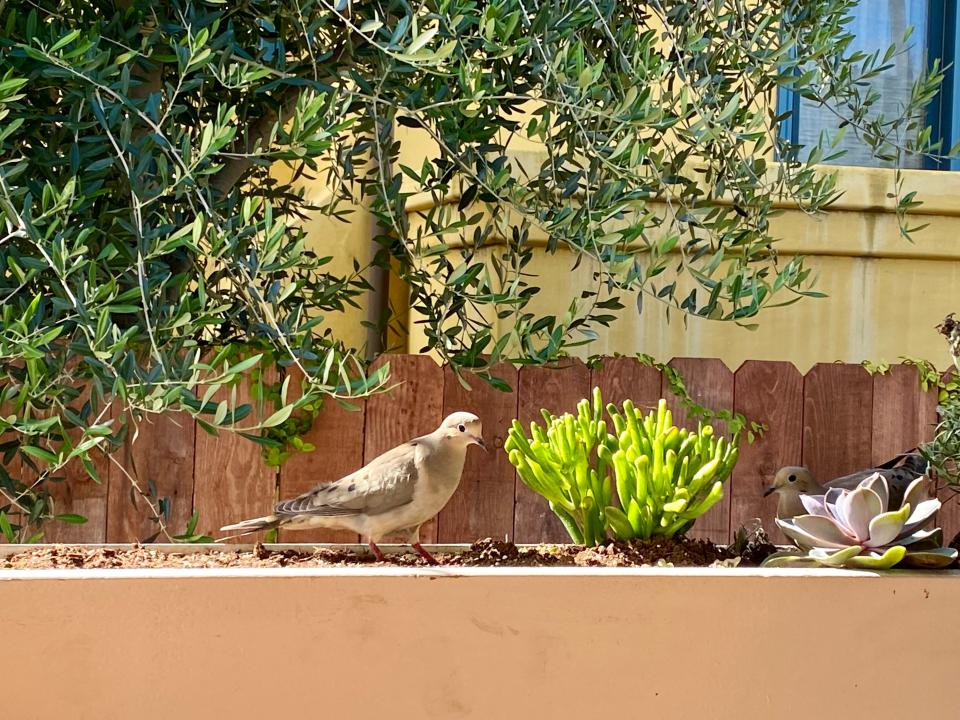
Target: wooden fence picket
x,y
81,495
337,436
837,419
558,390
12,467
948,519
770,393
414,407
625,378
161,456
232,482
903,415
483,504
710,383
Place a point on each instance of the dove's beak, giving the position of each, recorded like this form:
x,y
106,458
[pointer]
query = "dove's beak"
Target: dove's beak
x,y
769,490
479,441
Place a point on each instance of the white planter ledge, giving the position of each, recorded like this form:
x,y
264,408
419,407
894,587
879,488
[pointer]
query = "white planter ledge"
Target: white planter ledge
x,y
479,642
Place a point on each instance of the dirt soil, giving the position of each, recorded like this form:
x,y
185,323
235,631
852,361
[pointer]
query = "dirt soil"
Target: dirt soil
x,y
488,552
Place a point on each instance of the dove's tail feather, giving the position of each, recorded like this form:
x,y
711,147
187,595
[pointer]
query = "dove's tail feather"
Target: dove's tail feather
x,y
268,522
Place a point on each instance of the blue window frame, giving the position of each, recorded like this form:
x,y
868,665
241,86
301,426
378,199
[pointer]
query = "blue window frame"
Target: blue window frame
x,y
876,23
943,115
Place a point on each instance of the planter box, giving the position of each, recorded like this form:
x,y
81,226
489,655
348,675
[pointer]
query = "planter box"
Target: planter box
x,y
491,643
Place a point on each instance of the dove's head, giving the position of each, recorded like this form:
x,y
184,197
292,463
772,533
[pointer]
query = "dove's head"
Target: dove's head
x,y
793,480
462,427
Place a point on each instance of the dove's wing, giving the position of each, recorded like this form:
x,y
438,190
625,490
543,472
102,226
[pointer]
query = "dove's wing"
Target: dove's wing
x,y
907,457
902,475
898,479
386,482
849,482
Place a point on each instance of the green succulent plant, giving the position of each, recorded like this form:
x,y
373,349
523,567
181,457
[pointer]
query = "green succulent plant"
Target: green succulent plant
x,y
665,477
855,528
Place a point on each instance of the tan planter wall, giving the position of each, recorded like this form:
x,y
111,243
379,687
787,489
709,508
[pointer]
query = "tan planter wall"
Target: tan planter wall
x,y
494,644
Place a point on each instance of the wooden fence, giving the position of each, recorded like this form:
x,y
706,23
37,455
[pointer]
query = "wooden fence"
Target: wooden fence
x,y
835,419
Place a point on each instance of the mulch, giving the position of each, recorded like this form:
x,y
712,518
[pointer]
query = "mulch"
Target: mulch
x,y
680,551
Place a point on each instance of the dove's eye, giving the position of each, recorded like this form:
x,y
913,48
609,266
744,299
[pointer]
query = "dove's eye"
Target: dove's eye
x,y
792,478
461,427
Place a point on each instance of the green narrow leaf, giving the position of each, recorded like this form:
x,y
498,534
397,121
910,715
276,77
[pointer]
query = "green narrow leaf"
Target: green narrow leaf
x,y
6,529
40,453
245,365
421,41
278,417
221,413
64,41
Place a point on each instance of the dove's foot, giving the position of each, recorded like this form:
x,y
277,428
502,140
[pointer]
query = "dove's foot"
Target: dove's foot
x,y
424,554
376,551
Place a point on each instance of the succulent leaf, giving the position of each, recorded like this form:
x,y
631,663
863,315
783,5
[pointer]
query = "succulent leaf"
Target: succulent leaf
x,y
790,558
859,507
835,558
930,559
918,491
618,522
922,513
830,501
675,506
817,531
922,539
877,561
814,504
885,527
878,483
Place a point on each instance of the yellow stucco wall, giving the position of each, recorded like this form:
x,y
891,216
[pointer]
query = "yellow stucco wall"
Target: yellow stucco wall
x,y
343,241
885,294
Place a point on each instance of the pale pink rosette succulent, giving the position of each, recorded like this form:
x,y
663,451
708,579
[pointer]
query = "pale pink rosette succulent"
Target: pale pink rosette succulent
x,y
854,528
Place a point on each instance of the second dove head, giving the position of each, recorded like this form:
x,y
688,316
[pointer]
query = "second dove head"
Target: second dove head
x,y
462,427
793,479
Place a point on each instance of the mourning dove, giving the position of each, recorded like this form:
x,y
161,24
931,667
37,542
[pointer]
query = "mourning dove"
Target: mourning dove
x,y
793,481
396,492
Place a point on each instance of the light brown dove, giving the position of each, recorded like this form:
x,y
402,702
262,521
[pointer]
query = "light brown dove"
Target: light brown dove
x,y
395,493
793,481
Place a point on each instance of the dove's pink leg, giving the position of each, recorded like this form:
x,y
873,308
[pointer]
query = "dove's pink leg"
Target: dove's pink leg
x,y
424,554
376,551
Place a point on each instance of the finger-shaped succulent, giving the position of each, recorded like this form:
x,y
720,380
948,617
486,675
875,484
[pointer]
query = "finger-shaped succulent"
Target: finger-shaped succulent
x,y
665,476
855,528
563,463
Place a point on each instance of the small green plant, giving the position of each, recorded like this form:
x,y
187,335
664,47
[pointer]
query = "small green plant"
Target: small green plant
x,y
943,452
190,535
665,477
855,528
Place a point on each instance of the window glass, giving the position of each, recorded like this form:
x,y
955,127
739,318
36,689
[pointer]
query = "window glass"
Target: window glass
x,y
876,25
